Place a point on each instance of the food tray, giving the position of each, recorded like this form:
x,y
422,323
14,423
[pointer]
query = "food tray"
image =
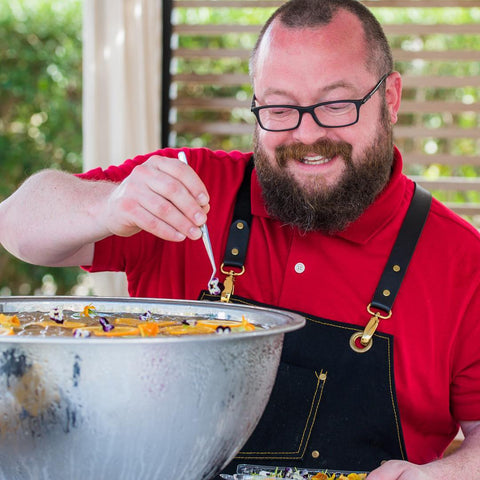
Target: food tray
x,y
256,472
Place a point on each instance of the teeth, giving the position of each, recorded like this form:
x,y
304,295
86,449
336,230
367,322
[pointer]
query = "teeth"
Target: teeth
x,y
317,160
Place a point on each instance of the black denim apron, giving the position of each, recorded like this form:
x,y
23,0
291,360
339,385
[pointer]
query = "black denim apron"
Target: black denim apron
x,y
333,404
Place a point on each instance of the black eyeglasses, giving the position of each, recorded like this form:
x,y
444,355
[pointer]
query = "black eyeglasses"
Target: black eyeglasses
x,y
339,113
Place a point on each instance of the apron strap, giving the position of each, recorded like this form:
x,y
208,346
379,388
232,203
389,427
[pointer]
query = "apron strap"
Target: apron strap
x,y
239,234
397,263
402,250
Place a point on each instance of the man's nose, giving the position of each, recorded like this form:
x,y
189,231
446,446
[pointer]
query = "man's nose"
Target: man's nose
x,y
309,131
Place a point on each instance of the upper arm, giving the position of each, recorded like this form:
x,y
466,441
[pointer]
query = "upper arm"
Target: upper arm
x,y
83,256
469,426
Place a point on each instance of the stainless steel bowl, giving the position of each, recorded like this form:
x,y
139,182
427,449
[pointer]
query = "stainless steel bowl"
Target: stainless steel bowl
x,y
134,408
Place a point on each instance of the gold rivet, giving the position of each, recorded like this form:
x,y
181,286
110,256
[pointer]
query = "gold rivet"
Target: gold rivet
x,y
322,376
315,454
234,251
240,225
386,293
396,268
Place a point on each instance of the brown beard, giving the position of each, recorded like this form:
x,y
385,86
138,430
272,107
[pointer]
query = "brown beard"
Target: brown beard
x,y
317,206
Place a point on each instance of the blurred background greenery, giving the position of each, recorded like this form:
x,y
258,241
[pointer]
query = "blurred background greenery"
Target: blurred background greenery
x,y
40,115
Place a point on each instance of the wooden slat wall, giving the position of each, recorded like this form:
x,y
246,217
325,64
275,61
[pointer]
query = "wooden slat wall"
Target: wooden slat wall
x,y
439,124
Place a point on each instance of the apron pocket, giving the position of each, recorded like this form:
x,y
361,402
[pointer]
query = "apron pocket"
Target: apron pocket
x,y
292,409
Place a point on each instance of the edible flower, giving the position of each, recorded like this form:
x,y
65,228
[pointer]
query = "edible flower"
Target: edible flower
x,y
222,330
56,314
88,311
189,322
106,325
81,333
144,317
249,327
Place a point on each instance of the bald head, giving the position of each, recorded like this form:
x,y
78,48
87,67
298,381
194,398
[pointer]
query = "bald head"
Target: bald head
x,y
314,14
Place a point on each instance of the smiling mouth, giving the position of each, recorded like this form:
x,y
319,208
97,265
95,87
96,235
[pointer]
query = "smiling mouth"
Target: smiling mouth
x,y
315,160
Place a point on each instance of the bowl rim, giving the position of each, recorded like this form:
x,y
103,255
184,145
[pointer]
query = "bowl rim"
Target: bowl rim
x,y
285,320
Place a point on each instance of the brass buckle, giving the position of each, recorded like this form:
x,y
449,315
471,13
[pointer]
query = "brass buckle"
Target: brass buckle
x,y
229,282
366,340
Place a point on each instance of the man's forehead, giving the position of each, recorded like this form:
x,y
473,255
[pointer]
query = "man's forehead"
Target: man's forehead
x,y
344,30
324,50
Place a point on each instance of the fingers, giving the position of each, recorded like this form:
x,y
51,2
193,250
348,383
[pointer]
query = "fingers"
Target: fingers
x,y
399,470
163,196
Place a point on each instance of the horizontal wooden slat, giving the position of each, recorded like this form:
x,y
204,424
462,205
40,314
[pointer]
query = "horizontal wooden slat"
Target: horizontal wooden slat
x,y
189,53
459,184
431,55
217,128
441,159
426,81
403,29
437,29
368,3
412,106
470,209
398,55
211,29
442,132
216,103
399,131
437,81
212,79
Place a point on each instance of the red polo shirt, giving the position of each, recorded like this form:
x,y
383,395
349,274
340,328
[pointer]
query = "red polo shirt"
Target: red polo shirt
x,y
435,321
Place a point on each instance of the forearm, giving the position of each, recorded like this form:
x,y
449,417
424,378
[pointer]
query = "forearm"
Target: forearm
x,y
53,219
464,463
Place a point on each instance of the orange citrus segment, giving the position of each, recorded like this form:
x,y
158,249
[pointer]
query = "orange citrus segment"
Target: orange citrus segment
x,y
6,331
9,320
148,329
52,323
120,331
185,330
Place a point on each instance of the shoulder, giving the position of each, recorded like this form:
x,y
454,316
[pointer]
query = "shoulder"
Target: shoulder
x,y
205,159
450,246
201,159
443,221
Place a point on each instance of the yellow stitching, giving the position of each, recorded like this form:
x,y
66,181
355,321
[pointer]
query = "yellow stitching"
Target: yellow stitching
x,y
392,399
316,409
316,402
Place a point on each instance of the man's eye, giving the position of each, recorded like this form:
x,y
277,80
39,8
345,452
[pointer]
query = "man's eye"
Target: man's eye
x,y
337,108
278,112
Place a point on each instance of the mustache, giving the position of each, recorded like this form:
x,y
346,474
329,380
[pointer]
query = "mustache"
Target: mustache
x,y
326,148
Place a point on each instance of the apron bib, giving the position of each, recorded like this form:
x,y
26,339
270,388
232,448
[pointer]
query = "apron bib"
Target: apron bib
x,y
333,404
330,407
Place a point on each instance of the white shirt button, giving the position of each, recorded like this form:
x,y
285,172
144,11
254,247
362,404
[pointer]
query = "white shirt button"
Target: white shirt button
x,y
300,267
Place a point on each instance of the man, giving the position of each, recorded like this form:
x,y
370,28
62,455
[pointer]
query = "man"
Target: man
x,y
368,384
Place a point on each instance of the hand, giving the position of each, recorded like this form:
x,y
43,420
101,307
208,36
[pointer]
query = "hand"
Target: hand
x,y
400,470
162,196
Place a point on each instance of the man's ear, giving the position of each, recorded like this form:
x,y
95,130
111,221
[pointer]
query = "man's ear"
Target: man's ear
x,y
393,95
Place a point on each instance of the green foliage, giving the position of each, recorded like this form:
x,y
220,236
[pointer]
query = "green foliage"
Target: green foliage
x,y
40,111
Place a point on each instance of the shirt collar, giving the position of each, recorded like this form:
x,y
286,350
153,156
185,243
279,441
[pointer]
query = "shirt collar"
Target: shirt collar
x,y
392,200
